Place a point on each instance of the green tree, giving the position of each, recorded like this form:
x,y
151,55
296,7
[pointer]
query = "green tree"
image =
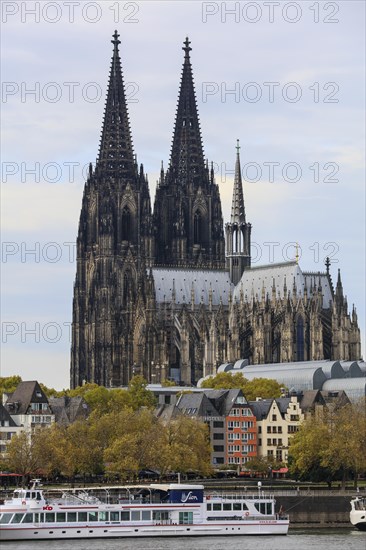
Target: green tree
x,y
139,395
266,388
168,383
8,384
330,444
224,381
258,387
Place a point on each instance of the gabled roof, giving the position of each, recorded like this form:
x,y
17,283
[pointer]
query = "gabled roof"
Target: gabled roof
x,y
283,404
197,404
68,409
182,282
310,398
25,394
261,408
283,275
5,417
167,412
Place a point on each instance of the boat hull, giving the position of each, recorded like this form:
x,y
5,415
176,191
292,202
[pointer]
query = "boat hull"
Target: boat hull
x,y
86,532
358,516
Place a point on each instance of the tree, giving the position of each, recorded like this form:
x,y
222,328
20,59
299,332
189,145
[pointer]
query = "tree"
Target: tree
x,y
186,446
139,395
24,455
224,381
135,444
266,388
330,444
8,384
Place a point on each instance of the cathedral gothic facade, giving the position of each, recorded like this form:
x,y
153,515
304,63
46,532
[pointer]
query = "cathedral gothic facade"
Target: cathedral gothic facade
x,y
157,294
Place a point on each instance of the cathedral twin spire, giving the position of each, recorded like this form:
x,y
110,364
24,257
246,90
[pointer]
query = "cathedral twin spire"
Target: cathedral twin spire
x,y
116,151
187,187
186,161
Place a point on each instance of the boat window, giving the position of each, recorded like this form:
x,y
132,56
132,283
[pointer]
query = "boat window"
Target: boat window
x,y
61,516
17,518
209,506
160,516
5,518
264,507
50,517
226,506
185,518
103,516
216,506
236,505
28,518
146,515
245,507
93,516
135,515
82,516
39,496
114,516
71,517
125,516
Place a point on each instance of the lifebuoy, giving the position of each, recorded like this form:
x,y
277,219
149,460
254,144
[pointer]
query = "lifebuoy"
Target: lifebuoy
x,y
246,514
24,502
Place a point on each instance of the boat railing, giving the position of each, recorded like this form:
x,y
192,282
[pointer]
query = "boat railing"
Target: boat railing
x,y
214,495
75,498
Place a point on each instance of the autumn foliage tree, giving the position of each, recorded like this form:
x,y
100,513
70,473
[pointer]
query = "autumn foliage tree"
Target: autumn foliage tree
x,y
331,444
265,388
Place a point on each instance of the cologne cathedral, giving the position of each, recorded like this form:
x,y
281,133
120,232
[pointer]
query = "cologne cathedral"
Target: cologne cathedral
x,y
169,292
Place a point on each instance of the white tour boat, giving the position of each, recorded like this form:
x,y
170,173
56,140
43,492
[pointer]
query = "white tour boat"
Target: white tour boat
x,y
156,510
357,514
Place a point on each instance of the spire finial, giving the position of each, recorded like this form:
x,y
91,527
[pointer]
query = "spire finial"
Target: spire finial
x,y
297,253
186,47
115,40
237,146
327,264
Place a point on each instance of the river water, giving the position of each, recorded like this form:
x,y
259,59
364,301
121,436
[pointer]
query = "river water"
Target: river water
x,y
319,539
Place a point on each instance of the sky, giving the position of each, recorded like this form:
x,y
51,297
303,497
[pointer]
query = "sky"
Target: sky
x,y
285,78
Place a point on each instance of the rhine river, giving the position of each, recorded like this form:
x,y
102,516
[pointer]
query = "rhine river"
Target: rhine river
x,y
317,539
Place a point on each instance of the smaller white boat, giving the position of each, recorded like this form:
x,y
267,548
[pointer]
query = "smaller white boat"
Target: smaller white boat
x,y
357,514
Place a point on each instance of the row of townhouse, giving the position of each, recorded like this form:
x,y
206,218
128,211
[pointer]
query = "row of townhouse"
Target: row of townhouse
x,y
241,430
28,408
